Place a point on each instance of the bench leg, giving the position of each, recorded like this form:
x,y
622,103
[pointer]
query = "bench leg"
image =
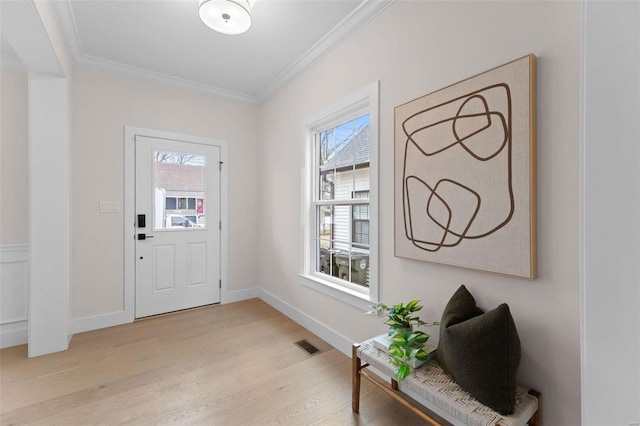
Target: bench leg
x,y
536,420
355,379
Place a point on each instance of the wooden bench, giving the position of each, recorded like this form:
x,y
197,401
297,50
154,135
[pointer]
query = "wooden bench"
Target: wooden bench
x,y
431,383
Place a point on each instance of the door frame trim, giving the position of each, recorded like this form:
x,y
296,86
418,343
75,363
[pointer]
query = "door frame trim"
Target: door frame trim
x,y
130,132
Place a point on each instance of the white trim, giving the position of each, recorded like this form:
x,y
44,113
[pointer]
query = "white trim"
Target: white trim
x,y
129,206
609,249
224,220
335,339
160,78
366,11
342,293
14,334
581,215
14,253
80,325
366,98
238,295
96,322
14,331
67,20
65,16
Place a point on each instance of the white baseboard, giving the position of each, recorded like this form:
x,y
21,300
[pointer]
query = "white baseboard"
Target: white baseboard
x,y
239,295
80,325
335,339
14,288
14,334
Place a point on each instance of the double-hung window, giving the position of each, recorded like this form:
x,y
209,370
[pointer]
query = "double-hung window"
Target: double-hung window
x,y
340,196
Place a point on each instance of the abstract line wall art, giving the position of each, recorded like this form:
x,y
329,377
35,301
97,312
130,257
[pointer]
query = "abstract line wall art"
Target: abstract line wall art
x,y
465,173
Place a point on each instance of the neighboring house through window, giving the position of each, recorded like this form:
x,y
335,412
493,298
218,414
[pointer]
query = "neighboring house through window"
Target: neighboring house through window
x,y
340,198
179,181
360,221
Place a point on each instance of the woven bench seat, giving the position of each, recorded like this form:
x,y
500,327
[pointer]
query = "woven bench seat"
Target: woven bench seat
x,y
431,383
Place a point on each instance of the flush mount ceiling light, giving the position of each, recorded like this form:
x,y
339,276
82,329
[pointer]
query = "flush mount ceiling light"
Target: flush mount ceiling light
x,y
226,16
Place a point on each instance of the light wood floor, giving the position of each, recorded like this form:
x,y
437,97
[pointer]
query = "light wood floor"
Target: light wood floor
x,y
232,364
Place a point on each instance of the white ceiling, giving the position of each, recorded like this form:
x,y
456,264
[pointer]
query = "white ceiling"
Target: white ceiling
x,y
166,41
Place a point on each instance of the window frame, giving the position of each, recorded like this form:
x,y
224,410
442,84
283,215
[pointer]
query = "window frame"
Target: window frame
x,y
364,101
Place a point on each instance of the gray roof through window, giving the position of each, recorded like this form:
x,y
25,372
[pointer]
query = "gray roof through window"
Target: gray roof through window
x,y
353,152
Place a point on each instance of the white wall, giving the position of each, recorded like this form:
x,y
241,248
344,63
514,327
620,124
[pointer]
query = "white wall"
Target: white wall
x,y
611,212
414,48
14,167
103,104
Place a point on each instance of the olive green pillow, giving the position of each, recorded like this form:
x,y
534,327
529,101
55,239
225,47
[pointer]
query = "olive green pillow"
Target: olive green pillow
x,y
480,350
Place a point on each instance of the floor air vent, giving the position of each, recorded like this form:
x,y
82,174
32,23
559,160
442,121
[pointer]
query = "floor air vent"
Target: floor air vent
x,y
307,347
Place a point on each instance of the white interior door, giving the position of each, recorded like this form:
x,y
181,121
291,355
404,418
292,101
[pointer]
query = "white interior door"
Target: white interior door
x,y
177,248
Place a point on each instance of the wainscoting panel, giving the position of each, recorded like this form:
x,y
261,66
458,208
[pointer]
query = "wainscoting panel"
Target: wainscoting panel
x,y
14,287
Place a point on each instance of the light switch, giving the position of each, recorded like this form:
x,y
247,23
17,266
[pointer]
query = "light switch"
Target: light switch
x,y
109,207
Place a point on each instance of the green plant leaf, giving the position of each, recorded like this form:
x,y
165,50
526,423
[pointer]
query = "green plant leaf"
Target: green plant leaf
x,y
393,323
421,355
396,361
402,372
399,338
396,351
411,353
420,338
413,306
412,337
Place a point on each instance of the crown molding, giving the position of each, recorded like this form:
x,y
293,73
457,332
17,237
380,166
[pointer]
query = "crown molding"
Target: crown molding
x,y
160,78
72,39
366,11
68,28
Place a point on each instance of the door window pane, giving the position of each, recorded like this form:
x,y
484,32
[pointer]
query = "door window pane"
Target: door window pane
x,y
179,198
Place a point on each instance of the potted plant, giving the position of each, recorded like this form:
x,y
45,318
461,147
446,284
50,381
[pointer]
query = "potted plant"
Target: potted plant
x,y
407,344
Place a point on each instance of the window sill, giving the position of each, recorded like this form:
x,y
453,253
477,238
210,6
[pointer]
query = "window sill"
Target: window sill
x,y
351,297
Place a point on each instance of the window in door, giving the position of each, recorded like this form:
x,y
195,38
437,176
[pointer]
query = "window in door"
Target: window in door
x,y
179,201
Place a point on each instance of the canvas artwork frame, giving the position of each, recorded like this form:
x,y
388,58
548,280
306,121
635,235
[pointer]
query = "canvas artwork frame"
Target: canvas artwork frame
x,y
465,173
